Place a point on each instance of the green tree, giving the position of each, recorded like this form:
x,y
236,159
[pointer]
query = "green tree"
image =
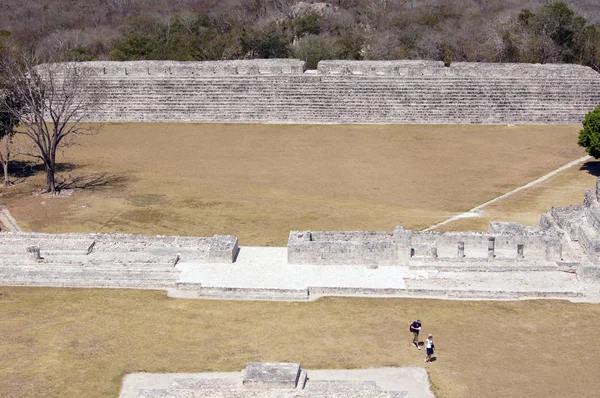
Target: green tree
x,y
557,20
11,109
135,47
589,137
313,48
268,42
309,24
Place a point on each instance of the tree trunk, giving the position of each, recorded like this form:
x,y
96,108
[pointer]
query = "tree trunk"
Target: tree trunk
x,y
50,179
5,169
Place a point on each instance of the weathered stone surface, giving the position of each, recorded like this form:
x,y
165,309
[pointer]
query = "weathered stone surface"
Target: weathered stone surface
x,y
104,260
353,247
278,91
223,249
271,375
322,384
403,247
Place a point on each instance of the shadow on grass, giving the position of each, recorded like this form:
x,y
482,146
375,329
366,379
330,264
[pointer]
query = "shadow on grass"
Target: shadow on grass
x,y
592,167
93,181
24,169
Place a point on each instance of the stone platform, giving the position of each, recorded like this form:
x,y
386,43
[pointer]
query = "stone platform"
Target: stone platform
x,y
281,380
263,273
281,91
558,259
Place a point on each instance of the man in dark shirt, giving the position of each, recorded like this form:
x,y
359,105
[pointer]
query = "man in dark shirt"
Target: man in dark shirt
x,y
415,328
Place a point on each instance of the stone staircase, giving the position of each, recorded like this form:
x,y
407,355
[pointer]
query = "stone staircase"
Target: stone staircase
x,y
104,260
346,99
97,277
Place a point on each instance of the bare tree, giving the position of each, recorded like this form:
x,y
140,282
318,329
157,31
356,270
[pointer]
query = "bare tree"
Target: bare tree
x,y
57,99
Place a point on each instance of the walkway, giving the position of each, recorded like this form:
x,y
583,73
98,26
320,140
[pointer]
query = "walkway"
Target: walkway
x,y
263,273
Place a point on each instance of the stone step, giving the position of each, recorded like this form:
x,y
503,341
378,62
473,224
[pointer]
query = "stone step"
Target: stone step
x,y
94,284
443,293
187,393
491,267
327,386
253,293
213,384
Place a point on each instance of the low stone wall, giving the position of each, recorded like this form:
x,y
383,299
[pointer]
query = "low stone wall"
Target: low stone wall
x,y
118,247
416,68
403,247
341,248
190,68
381,68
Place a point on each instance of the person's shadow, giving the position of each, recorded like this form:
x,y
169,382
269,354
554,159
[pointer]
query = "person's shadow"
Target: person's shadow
x,y
433,359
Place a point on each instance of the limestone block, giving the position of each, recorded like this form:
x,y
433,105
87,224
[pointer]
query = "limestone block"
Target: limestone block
x,y
223,249
271,375
491,247
506,228
589,273
403,245
547,222
520,251
588,239
341,248
592,215
403,67
590,199
33,252
553,248
433,253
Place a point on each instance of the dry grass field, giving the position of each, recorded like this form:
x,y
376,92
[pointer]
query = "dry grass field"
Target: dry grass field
x,y
81,342
564,189
258,182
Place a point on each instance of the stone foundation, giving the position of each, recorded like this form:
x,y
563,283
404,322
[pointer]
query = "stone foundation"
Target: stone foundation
x,y
280,91
281,380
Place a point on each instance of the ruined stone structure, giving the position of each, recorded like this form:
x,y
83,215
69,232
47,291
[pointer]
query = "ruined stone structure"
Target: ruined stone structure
x,y
105,260
505,244
272,380
568,239
281,91
551,260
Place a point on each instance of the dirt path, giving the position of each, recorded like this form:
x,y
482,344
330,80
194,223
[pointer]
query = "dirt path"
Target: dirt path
x,y
474,212
7,220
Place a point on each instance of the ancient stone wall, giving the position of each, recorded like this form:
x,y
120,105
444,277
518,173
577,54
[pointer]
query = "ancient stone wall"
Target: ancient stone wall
x,y
567,239
187,68
281,91
351,248
116,248
404,247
